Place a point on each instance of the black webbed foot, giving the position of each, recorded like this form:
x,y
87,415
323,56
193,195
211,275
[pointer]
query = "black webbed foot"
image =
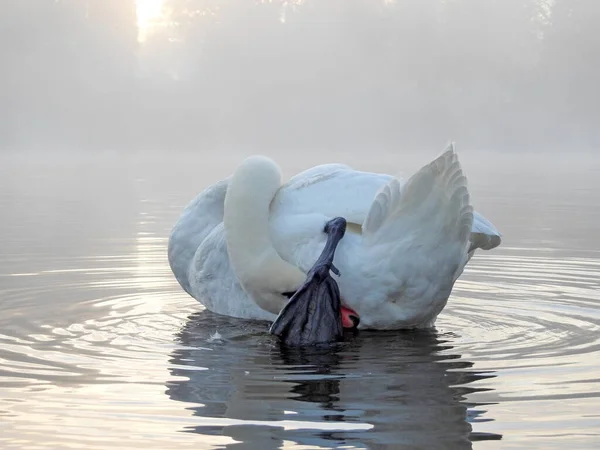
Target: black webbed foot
x,y
312,316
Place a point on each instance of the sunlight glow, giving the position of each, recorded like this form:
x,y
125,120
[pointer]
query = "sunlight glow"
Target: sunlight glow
x,y
150,14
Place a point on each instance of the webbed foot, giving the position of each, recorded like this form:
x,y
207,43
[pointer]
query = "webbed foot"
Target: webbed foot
x,y
313,314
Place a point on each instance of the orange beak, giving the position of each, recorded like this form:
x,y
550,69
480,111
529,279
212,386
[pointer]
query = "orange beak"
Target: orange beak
x,y
350,318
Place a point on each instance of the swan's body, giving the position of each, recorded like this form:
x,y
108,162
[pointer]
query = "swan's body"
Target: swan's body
x,y
405,246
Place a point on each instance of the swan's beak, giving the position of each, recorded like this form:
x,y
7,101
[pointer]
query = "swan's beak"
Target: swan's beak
x,y
313,314
350,318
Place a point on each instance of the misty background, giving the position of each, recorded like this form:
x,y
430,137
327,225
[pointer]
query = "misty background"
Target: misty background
x,y
114,114
208,75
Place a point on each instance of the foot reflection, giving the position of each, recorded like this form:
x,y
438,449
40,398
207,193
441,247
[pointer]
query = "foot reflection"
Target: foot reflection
x,y
376,390
322,365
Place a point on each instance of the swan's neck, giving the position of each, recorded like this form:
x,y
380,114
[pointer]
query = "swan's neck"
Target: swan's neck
x,y
256,263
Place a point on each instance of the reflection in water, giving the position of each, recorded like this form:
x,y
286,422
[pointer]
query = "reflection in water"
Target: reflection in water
x,y
245,386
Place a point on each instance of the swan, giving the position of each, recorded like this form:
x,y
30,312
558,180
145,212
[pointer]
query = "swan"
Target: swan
x,y
246,243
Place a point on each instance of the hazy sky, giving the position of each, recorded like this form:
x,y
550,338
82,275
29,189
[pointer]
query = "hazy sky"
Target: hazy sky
x,y
321,74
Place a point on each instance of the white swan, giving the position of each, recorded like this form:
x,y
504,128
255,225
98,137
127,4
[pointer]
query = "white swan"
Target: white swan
x,y
405,246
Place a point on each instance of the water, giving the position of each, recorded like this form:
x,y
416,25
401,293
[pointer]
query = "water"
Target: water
x,y
100,348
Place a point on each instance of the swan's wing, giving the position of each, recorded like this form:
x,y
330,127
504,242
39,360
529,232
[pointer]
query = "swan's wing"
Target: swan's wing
x,y
196,222
434,204
214,283
394,199
332,190
421,229
336,190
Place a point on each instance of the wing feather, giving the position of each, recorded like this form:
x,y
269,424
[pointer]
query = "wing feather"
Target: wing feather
x,y
434,202
332,190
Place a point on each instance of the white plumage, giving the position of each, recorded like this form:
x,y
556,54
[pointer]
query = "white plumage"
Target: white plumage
x,y
405,245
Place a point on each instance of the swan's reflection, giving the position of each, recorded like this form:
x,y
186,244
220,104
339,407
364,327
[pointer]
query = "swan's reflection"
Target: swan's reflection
x,y
378,390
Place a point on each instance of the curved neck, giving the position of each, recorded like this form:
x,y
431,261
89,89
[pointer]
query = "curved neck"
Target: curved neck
x,y
256,263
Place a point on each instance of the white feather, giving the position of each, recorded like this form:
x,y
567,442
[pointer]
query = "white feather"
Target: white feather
x,y
405,246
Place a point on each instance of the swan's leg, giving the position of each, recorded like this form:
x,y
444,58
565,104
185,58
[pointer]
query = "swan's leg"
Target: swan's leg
x,y
313,314
335,229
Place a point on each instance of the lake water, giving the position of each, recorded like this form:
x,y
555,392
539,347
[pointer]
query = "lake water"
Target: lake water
x,y
100,348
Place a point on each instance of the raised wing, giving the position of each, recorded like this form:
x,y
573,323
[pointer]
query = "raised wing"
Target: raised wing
x,y
433,204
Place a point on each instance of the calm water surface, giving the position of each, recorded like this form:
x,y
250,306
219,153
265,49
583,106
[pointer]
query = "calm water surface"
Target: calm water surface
x,y
100,348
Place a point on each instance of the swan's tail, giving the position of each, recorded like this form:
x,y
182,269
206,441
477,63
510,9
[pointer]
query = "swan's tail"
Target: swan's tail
x,y
484,235
424,225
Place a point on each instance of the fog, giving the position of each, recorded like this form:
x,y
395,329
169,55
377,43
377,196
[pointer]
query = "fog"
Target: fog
x,y
344,75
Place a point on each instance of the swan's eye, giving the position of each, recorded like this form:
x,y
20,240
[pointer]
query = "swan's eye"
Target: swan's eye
x,y
289,294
